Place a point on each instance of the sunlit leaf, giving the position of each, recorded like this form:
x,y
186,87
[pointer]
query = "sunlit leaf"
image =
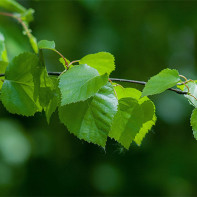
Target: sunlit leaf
x,y
167,78
80,83
45,44
102,61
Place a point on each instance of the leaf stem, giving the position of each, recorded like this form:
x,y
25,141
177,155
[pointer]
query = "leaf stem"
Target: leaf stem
x,y
66,63
25,27
183,77
75,61
6,14
113,88
19,20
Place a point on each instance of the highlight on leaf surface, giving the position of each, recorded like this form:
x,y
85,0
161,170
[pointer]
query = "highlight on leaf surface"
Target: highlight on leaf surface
x,y
91,120
103,62
167,78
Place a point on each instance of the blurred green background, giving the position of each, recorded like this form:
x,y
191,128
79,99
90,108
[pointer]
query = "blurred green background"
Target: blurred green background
x,y
37,159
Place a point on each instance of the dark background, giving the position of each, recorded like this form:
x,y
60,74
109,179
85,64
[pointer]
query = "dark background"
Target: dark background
x,y
37,159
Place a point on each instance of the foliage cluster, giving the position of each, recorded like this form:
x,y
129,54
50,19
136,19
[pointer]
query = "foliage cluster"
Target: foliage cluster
x,y
90,105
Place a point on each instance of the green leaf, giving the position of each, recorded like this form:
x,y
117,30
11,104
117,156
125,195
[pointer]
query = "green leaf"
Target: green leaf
x,y
127,92
80,83
20,11
46,88
148,109
45,44
12,6
135,116
3,57
91,120
127,121
193,122
193,91
18,88
61,60
167,78
49,98
3,66
3,52
33,42
102,61
27,16
52,105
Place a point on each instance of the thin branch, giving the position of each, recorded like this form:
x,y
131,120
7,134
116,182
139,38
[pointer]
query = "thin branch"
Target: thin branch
x,y
119,80
54,73
6,14
144,83
127,81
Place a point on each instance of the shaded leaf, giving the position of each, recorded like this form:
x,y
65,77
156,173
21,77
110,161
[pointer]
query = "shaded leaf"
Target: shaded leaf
x,y
135,117
18,87
46,88
49,98
127,121
149,120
